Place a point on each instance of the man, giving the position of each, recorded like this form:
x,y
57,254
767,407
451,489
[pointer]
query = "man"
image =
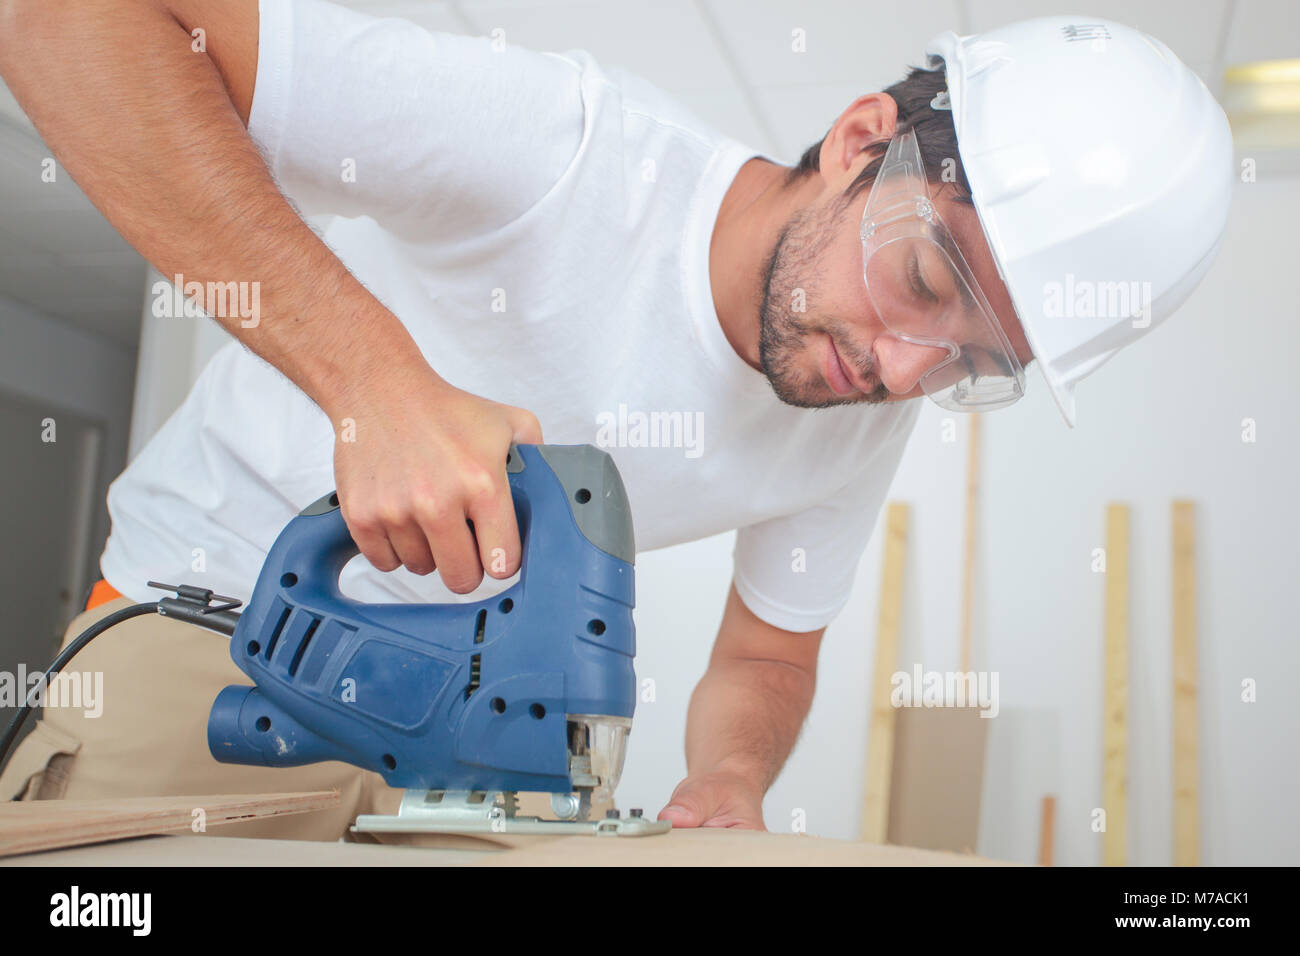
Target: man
x,y
530,241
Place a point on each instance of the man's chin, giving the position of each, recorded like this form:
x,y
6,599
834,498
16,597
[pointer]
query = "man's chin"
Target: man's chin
x,y
819,395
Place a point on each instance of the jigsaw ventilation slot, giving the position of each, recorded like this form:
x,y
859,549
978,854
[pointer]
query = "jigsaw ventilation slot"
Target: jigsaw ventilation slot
x,y
302,646
475,662
474,666
275,634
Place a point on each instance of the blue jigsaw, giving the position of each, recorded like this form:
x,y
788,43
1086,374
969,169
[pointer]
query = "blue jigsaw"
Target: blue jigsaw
x,y
462,704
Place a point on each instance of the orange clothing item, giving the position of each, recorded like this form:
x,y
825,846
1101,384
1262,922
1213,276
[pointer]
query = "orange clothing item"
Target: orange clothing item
x,y
101,593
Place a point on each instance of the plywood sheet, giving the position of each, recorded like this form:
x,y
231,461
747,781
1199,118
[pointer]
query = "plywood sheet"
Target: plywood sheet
x,y
27,826
880,731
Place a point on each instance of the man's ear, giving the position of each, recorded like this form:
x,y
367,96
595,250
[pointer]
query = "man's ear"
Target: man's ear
x,y
868,120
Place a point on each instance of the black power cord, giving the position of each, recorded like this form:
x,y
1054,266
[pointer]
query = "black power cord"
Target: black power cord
x,y
84,638
191,604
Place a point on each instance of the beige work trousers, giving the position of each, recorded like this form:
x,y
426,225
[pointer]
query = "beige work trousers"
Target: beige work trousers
x,y
160,679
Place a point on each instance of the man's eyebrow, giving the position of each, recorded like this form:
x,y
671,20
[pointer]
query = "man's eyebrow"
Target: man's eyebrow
x,y
967,298
998,357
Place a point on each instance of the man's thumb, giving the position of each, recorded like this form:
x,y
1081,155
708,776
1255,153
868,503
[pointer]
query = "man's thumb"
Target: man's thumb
x,y
684,810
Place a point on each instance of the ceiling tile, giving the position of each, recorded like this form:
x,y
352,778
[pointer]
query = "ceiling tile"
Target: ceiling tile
x,y
121,323
666,42
10,109
43,278
78,298
844,43
31,278
124,269
730,113
57,253
802,115
53,229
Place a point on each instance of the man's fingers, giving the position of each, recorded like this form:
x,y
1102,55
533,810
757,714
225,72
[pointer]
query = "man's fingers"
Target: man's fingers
x,y
687,808
454,550
371,539
680,816
496,530
441,501
714,800
412,547
527,429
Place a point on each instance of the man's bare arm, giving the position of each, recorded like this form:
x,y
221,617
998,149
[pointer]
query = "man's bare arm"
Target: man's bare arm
x,y
155,134
744,718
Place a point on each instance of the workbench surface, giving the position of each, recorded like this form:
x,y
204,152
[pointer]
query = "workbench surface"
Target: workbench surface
x,y
707,847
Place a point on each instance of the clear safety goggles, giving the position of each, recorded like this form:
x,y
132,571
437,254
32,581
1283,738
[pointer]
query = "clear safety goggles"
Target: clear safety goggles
x,y
926,294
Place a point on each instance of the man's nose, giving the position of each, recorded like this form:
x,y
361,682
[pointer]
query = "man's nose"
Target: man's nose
x,y
900,364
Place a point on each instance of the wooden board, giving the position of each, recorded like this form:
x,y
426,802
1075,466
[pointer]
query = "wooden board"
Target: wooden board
x,y
1187,844
1114,800
1047,832
31,825
880,732
938,770
711,847
938,777
968,556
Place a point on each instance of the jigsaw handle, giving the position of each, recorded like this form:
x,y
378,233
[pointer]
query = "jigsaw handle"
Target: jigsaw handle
x,y
318,550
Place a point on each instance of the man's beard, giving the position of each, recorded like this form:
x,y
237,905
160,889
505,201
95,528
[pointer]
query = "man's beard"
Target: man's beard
x,y
784,334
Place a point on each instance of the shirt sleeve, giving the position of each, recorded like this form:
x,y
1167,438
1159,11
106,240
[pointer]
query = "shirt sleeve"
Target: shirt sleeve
x,y
432,135
796,572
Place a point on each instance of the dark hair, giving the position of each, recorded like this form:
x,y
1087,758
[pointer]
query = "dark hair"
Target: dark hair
x,y
934,135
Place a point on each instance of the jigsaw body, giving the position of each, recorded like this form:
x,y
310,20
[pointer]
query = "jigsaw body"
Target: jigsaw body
x,y
463,704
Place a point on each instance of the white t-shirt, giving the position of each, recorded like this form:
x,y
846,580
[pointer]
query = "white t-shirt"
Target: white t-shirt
x,y
542,227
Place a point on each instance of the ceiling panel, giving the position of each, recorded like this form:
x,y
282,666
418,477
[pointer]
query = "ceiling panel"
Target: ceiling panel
x,y
9,107
22,158
122,269
867,45
50,228
802,115
667,42
729,111
57,253
79,297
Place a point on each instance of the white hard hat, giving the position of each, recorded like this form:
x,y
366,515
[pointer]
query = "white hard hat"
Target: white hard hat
x,y
1101,170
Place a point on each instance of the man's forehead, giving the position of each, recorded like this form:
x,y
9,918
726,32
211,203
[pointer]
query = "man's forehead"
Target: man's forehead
x,y
963,222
